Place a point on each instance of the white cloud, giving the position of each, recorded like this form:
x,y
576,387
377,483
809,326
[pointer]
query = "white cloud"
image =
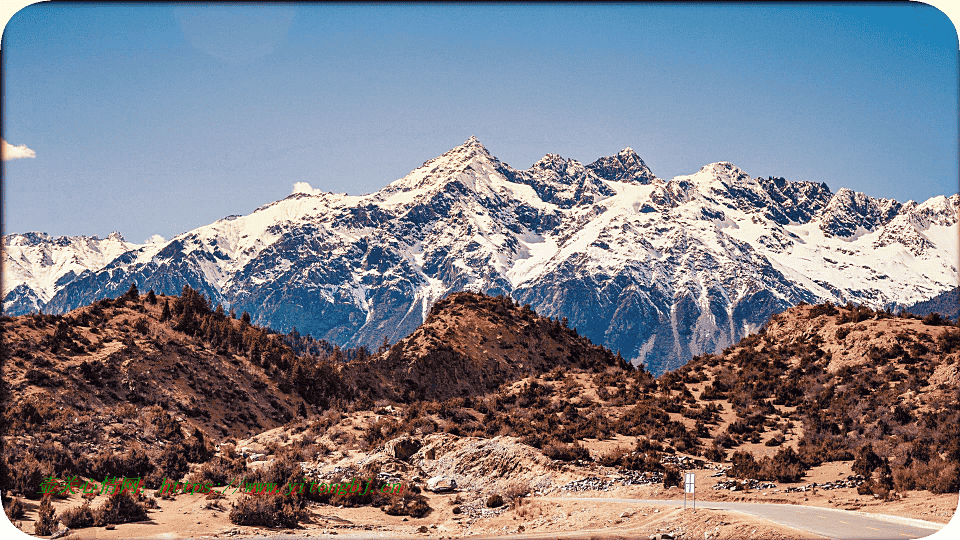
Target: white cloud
x,y
155,239
10,151
304,187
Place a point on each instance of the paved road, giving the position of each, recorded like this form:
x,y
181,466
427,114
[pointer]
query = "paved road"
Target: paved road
x,y
827,522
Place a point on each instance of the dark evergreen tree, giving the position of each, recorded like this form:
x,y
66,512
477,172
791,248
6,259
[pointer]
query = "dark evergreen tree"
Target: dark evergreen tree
x,y
133,293
384,347
188,323
866,462
165,313
46,523
255,355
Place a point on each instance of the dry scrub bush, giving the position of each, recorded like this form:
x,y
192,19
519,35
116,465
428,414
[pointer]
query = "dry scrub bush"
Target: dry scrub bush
x,y
937,476
26,475
221,471
121,508
516,492
268,510
494,501
77,517
785,466
671,478
14,509
410,504
566,452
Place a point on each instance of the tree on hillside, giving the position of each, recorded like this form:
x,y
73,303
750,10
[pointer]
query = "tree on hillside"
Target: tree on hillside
x,y
133,293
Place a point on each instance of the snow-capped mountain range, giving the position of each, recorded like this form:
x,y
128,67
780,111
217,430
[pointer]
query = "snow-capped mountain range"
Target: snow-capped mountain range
x,y
660,270
36,266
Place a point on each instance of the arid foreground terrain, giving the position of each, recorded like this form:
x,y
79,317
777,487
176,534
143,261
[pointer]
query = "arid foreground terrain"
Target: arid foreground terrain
x,y
833,407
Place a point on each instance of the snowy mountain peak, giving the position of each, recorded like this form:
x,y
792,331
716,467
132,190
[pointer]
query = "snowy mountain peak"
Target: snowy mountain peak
x,y
116,236
726,171
551,162
851,213
26,239
626,166
439,171
726,181
470,148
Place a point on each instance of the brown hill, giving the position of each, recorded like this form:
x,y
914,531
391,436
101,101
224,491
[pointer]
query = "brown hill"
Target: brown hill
x,y
141,384
863,385
115,354
470,344
145,385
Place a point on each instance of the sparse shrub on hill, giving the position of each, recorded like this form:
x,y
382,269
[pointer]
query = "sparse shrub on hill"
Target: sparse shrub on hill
x,y
936,475
826,308
26,475
935,319
714,453
855,314
744,465
713,391
220,471
776,440
785,466
949,341
135,463
566,452
171,463
55,457
197,449
724,440
285,468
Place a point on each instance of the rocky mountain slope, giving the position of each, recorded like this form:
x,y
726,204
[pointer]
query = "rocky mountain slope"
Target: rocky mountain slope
x,y
658,270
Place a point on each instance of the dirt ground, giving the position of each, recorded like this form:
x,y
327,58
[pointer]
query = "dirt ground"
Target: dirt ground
x,y
190,516
193,516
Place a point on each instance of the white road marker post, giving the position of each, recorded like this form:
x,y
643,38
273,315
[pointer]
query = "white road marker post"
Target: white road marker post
x,y
688,487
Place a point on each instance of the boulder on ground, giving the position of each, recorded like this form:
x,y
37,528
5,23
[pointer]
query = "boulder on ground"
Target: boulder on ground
x,y
438,484
402,448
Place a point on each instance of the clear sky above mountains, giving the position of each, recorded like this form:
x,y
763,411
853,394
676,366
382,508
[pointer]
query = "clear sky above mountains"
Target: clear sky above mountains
x,y
160,118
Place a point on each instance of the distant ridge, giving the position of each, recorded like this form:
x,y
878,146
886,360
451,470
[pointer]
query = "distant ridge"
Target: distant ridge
x,y
946,303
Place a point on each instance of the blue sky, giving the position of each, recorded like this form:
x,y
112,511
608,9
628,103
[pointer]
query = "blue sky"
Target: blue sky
x,y
160,118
